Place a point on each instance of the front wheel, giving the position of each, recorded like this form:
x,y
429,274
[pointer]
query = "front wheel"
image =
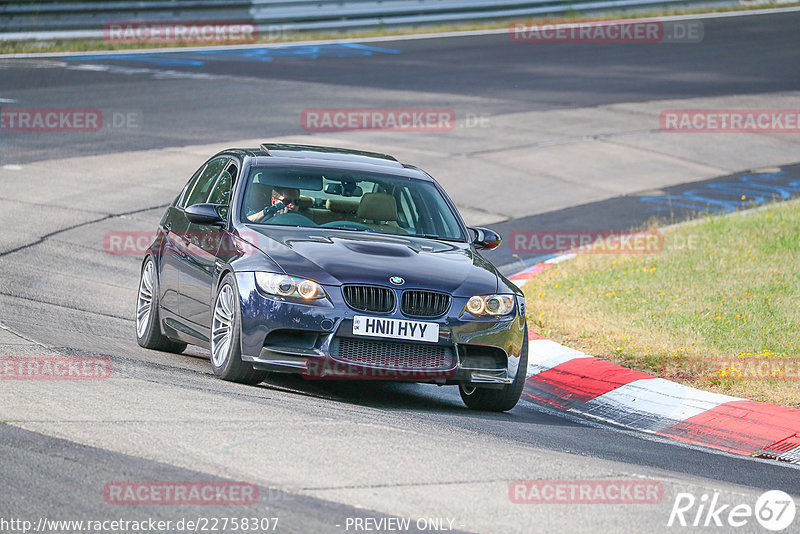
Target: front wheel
x,y
498,400
226,349
148,330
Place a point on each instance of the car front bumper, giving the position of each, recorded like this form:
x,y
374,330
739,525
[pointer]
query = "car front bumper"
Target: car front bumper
x,y
316,340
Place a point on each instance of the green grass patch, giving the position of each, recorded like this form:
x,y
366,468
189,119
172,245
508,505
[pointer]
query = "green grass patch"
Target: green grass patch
x,y
716,308
91,45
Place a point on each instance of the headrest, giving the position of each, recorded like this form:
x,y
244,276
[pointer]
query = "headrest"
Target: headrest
x,y
337,205
377,207
305,202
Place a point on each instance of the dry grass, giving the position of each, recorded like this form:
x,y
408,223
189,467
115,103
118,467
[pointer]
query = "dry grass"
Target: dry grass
x,y
721,315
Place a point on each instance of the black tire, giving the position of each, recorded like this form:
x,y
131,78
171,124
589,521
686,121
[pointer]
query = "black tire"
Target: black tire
x,y
229,365
148,330
498,400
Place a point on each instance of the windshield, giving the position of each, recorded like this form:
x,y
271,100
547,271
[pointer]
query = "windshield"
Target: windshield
x,y
348,200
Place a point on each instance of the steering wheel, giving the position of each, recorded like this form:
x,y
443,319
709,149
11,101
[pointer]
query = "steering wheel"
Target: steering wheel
x,y
352,225
291,219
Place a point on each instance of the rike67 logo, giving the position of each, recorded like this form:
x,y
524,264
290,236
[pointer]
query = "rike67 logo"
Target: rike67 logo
x,y
774,510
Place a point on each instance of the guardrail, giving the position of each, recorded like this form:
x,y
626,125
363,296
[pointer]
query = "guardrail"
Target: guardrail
x,y
53,19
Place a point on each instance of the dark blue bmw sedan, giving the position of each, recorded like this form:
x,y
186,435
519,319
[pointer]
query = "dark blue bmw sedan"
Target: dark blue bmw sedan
x,y
335,264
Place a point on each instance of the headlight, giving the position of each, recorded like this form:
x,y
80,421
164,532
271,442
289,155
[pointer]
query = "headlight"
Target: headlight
x,y
289,286
490,305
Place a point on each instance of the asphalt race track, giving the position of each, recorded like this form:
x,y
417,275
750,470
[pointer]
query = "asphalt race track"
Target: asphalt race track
x,y
323,454
210,97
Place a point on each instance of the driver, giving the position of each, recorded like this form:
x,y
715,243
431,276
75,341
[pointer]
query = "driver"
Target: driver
x,y
284,200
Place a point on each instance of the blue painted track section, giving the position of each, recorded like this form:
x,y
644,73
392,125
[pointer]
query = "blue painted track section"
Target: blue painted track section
x,y
192,58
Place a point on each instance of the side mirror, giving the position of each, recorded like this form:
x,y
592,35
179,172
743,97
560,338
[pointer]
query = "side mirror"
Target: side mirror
x,y
204,214
485,238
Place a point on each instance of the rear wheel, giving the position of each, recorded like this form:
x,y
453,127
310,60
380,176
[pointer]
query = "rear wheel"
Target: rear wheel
x,y
498,400
148,329
226,349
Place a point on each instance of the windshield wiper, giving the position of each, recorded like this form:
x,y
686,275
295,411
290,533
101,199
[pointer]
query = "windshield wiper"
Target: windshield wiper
x,y
437,237
354,229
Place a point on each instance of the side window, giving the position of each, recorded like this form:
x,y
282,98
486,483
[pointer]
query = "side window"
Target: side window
x,y
221,194
183,197
202,187
232,170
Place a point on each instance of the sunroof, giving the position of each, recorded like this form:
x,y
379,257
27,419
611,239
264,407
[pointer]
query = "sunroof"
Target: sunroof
x,y
330,153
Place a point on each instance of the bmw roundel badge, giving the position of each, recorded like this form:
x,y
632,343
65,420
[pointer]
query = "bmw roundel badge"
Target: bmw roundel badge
x,y
396,280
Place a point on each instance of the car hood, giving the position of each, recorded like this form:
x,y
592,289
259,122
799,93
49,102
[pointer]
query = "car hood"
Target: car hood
x,y
337,257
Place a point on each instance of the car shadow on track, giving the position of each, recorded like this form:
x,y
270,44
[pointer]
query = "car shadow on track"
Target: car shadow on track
x,y
371,393
375,394
397,396
404,396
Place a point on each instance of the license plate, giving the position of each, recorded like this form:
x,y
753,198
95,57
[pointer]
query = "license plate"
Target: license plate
x,y
395,328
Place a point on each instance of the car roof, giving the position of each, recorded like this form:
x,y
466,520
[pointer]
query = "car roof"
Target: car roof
x,y
338,158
